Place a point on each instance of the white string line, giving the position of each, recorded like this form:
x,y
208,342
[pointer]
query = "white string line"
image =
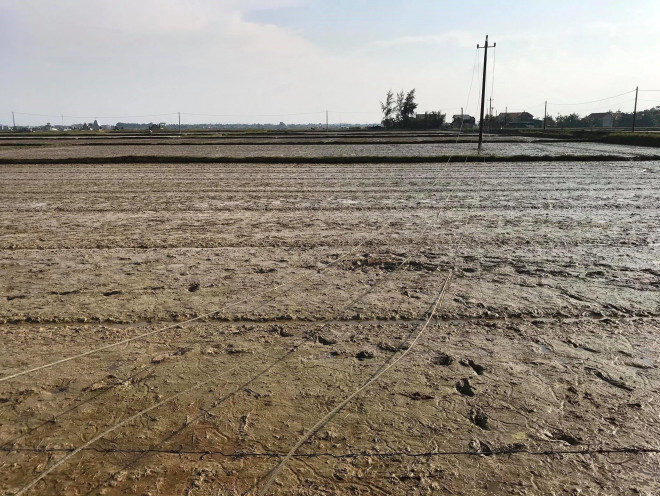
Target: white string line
x,y
122,423
384,368
138,414
111,429
201,316
178,324
324,324
170,398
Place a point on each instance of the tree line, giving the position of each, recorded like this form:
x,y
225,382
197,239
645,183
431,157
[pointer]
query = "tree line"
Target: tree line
x,y
645,118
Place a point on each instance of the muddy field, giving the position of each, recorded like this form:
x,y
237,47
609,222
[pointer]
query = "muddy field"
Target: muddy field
x,y
472,329
174,148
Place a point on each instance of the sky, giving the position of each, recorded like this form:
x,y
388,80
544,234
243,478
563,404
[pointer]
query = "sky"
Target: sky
x,y
246,61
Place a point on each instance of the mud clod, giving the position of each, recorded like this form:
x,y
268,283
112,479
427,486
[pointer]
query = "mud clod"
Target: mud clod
x,y
194,287
417,396
480,447
113,292
162,357
16,297
326,339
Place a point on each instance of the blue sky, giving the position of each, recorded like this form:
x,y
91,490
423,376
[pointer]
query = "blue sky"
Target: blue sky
x,y
263,60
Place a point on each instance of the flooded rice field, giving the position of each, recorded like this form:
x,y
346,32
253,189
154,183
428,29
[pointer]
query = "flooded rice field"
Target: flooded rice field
x,y
436,328
320,149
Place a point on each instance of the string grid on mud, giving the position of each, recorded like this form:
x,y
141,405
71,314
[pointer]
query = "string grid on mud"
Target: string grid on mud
x,y
360,454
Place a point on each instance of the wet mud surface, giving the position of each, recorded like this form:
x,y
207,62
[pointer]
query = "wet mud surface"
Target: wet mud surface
x,y
297,148
538,373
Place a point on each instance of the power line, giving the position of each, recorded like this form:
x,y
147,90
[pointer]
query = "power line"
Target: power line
x,y
594,101
254,115
96,116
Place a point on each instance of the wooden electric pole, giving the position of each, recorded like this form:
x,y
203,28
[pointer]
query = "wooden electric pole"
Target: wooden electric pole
x,y
545,113
483,91
13,120
635,111
327,125
179,122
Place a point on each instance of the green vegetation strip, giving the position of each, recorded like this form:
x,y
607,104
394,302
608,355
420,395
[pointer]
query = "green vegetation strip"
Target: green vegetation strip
x,y
154,159
651,139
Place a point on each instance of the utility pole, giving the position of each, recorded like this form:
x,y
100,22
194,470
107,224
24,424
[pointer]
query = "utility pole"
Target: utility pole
x,y
483,92
635,111
545,113
62,116
179,122
462,121
506,115
13,120
327,128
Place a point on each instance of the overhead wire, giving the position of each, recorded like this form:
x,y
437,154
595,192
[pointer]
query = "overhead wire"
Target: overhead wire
x,y
594,101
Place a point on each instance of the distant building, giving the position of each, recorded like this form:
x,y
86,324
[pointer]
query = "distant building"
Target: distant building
x,y
601,119
464,121
520,120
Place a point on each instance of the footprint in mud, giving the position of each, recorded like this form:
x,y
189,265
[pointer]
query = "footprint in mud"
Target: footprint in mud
x,y
479,418
443,359
365,355
562,436
464,387
479,369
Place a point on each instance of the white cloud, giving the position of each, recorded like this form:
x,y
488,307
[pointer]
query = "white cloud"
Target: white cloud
x,y
127,57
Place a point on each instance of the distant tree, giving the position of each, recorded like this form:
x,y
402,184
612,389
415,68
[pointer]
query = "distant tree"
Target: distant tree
x,y
399,106
388,109
431,120
409,105
399,110
571,120
648,118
